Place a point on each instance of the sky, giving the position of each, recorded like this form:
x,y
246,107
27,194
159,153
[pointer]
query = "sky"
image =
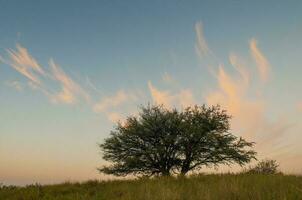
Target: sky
x,y
69,70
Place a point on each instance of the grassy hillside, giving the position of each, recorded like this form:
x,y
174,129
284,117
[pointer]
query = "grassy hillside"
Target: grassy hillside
x,y
227,186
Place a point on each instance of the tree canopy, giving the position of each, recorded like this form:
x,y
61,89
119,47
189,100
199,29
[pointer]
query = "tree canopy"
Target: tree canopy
x,y
162,141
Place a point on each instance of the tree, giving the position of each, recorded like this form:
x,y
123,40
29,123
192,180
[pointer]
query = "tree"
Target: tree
x,y
265,167
206,140
162,141
146,145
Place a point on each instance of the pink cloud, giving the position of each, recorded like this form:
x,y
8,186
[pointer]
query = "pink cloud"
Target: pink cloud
x,y
263,65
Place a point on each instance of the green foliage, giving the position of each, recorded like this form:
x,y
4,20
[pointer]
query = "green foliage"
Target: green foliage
x,y
207,187
161,142
265,167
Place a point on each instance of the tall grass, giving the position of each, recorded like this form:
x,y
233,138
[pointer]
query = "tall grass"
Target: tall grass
x,y
220,187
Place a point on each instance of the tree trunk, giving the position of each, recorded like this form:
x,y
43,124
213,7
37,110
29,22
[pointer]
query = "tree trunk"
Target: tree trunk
x,y
184,171
185,168
166,174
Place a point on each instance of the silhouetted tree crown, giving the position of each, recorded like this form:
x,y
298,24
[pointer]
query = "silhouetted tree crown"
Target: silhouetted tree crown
x,y
162,141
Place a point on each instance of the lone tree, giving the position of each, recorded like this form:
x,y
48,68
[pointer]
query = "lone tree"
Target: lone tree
x,y
161,141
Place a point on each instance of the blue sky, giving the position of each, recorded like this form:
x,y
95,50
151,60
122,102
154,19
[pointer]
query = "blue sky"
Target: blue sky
x,y
94,62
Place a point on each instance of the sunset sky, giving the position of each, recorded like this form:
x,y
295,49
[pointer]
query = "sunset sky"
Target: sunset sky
x,y
69,70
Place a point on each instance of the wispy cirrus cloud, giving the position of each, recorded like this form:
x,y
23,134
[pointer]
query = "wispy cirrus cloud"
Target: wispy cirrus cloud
x,y
201,46
44,80
232,94
15,84
159,96
117,106
60,88
24,63
263,65
249,109
70,90
240,67
109,102
239,92
182,98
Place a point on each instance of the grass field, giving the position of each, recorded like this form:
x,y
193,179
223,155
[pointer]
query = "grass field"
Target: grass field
x,y
220,187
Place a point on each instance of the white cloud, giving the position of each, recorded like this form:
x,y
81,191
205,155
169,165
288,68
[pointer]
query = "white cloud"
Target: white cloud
x,y
201,46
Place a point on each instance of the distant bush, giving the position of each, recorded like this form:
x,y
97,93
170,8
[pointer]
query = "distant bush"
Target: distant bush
x,y
265,167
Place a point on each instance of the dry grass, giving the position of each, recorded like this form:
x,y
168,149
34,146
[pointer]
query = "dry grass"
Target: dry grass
x,y
224,186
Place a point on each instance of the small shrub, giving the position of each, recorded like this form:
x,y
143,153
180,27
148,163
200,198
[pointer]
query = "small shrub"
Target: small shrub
x,y
265,167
